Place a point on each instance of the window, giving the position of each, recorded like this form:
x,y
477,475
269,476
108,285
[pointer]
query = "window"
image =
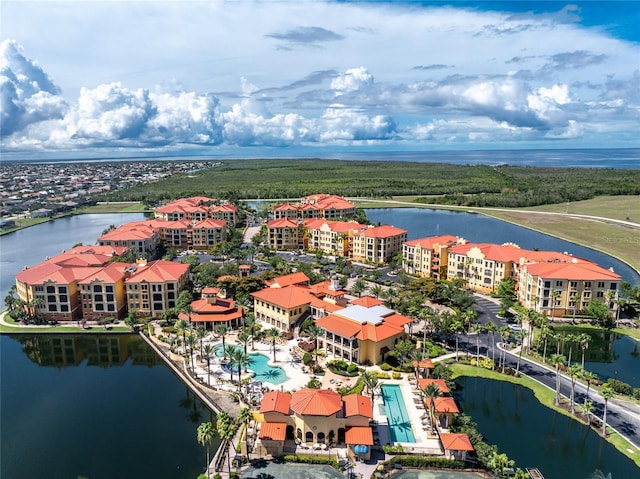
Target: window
x,y
574,284
97,288
51,289
587,284
63,298
559,284
52,308
51,299
62,289
110,297
111,307
600,294
613,286
108,289
64,308
600,284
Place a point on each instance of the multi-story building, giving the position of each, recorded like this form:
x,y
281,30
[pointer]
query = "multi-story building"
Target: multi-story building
x,y
428,257
331,207
140,237
103,293
331,237
559,288
285,235
154,287
282,308
483,266
197,208
213,309
378,244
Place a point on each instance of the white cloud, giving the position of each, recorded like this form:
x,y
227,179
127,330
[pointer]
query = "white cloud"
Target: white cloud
x,y
353,79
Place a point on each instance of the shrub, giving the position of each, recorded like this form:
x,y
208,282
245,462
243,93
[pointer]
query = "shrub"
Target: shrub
x,y
396,375
385,367
367,362
425,462
392,449
381,375
169,330
310,460
620,387
307,359
636,393
314,384
352,368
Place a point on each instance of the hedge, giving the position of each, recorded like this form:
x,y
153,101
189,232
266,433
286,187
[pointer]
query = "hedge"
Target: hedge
x,y
310,460
425,462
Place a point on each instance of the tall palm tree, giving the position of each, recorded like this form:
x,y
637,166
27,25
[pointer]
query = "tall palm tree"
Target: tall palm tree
x,y
545,334
574,298
607,393
201,333
226,429
371,383
455,327
431,392
554,298
571,338
240,360
505,333
244,337
590,378
376,291
182,326
587,409
250,323
274,334
188,311
493,329
573,371
558,361
416,356
584,339
315,331
208,351
206,433
221,330
244,417
479,328
192,341
521,335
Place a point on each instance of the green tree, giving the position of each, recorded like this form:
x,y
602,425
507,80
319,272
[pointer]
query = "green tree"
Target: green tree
x,y
244,337
590,378
206,433
506,291
558,360
455,328
584,340
244,418
587,409
431,393
274,334
208,351
607,393
493,329
371,384
250,323
182,326
401,351
600,313
574,372
315,331
221,330
359,287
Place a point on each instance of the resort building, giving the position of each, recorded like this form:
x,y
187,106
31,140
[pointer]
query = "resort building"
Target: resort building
x,y
293,279
154,287
316,206
361,333
282,308
559,288
483,266
139,237
378,244
331,237
213,309
50,289
428,257
315,418
197,208
103,293
285,234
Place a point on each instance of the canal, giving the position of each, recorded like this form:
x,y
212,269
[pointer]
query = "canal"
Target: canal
x,y
509,416
95,406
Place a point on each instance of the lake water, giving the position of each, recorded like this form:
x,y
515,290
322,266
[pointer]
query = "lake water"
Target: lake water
x,y
509,416
98,406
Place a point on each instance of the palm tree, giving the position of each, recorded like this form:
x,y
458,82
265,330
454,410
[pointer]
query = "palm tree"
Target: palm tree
x,y
250,323
359,287
240,359
371,383
376,291
315,331
244,417
182,325
244,337
478,328
587,409
208,351
590,378
554,297
226,429
558,361
221,330
201,333
505,333
274,334
493,329
206,433
188,310
545,334
607,393
431,392
520,334
584,340
574,299
192,341
571,338
574,371
455,327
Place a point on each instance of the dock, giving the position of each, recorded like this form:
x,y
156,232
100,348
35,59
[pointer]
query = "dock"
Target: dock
x,y
534,473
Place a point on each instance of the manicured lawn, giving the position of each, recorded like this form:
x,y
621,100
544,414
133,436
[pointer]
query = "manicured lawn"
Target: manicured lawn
x,y
617,207
17,328
115,207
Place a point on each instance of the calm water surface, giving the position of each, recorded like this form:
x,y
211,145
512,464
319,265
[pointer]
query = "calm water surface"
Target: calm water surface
x,y
100,406
509,416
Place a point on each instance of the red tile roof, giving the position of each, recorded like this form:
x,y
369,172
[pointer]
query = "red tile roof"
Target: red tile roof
x,y
444,404
288,280
282,223
338,325
378,332
502,253
276,401
431,241
288,297
367,301
159,271
359,435
112,273
273,431
316,402
455,442
357,405
585,271
384,231
423,383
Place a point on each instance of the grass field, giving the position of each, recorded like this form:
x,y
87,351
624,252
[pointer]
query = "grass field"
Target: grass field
x,y
115,207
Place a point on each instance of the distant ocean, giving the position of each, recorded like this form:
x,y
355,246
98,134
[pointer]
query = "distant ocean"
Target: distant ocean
x,y
627,158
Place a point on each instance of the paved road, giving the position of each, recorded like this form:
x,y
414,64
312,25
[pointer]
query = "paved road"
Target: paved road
x,y
624,418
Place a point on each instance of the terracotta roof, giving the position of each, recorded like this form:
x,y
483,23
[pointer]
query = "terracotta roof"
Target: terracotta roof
x,y
424,363
316,402
224,208
423,383
288,280
95,249
398,319
444,404
210,223
288,297
285,207
367,301
324,288
210,290
326,306
359,435
282,223
275,401
213,318
502,253
384,231
455,442
431,241
112,273
357,405
159,271
378,332
585,271
338,325
273,431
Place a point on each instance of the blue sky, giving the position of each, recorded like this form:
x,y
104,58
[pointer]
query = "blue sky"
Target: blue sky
x,y
162,77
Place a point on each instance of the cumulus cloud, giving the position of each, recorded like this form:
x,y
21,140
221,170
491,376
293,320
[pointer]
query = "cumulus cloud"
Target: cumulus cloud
x,y
27,93
351,80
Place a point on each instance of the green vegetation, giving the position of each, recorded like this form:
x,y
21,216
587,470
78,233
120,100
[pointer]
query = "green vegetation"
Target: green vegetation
x,y
310,460
468,185
422,462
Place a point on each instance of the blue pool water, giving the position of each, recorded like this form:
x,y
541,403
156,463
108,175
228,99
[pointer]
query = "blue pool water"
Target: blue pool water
x,y
396,412
258,363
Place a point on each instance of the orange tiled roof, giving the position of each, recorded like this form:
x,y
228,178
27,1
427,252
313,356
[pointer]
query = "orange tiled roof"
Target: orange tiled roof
x,y
367,301
275,401
210,290
212,318
586,271
424,363
285,207
112,273
456,442
338,325
316,402
359,435
379,332
445,404
224,208
159,271
282,223
273,431
324,305
384,231
423,383
210,223
431,241
288,297
357,405
398,319
501,253
288,280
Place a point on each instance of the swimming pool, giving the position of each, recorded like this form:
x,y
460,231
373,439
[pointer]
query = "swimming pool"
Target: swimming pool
x,y
258,363
396,412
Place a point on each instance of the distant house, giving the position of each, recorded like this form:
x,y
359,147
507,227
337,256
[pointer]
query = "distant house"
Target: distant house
x,y
41,213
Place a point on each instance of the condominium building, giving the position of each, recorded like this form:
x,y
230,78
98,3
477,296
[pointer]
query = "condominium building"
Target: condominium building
x,y
103,293
139,237
154,287
325,206
378,244
197,208
428,257
331,237
285,235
